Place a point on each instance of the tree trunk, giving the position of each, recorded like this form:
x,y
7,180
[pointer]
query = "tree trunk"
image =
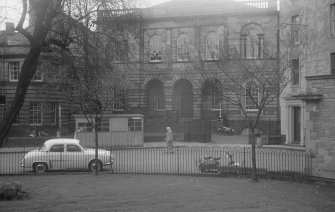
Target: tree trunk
x,y
252,140
27,72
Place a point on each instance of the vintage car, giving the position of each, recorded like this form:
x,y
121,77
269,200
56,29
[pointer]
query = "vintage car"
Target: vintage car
x,y
65,154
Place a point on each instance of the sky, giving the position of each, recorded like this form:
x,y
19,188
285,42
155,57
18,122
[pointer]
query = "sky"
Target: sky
x,y
13,7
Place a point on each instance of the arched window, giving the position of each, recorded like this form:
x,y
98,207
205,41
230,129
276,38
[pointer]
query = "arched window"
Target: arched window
x,y
155,49
182,47
251,96
252,43
212,46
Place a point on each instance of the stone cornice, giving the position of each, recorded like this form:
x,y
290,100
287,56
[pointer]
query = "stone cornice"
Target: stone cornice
x,y
321,77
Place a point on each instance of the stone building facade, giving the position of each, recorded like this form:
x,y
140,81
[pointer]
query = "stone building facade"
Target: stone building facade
x,y
165,83
307,105
44,107
168,88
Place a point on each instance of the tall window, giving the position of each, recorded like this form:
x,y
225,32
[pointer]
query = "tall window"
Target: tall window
x,y
121,51
212,46
17,118
183,48
252,45
119,100
155,49
14,71
54,113
215,98
251,96
38,77
295,71
35,113
332,19
160,98
332,62
295,21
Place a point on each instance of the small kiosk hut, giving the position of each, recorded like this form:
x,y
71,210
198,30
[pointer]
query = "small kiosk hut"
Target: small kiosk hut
x,y
114,130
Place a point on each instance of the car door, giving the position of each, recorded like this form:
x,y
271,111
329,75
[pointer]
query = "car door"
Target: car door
x,y
74,157
55,156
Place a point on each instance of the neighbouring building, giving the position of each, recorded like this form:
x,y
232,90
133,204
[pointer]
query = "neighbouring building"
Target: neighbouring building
x,y
167,90
308,103
44,106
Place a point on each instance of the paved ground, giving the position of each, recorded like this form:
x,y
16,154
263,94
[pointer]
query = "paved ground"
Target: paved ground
x,y
86,192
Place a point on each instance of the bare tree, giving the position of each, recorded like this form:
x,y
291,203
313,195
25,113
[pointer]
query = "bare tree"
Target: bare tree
x,y
53,23
93,80
251,76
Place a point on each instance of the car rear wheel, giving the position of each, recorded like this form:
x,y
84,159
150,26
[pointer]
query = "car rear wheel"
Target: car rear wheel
x,y
92,165
40,168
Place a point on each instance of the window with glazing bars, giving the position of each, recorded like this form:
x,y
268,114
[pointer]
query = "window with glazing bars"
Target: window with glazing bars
x,y
155,49
35,113
182,47
295,21
119,99
295,72
251,96
38,77
135,124
14,71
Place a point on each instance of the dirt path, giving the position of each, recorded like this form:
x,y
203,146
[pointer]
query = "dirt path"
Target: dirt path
x,y
86,192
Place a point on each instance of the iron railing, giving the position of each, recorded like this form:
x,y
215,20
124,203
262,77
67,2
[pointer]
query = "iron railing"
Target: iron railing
x,y
279,163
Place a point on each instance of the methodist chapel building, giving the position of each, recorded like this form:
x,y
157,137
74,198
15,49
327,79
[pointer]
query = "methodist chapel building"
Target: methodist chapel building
x,y
175,64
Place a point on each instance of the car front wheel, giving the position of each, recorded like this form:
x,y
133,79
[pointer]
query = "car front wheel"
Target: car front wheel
x,y
40,168
92,165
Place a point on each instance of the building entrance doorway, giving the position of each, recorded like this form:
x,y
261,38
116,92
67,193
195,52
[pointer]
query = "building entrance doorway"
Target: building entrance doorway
x,y
183,98
296,125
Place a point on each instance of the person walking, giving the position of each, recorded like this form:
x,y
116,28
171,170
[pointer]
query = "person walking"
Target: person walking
x,y
169,140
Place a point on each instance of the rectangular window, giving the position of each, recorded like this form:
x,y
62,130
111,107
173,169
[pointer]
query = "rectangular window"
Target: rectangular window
x,y
119,100
85,127
251,97
38,77
14,71
2,113
103,124
295,71
160,101
35,113
332,62
295,21
243,46
135,124
17,118
155,49
260,46
212,46
332,19
183,48
54,113
216,102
